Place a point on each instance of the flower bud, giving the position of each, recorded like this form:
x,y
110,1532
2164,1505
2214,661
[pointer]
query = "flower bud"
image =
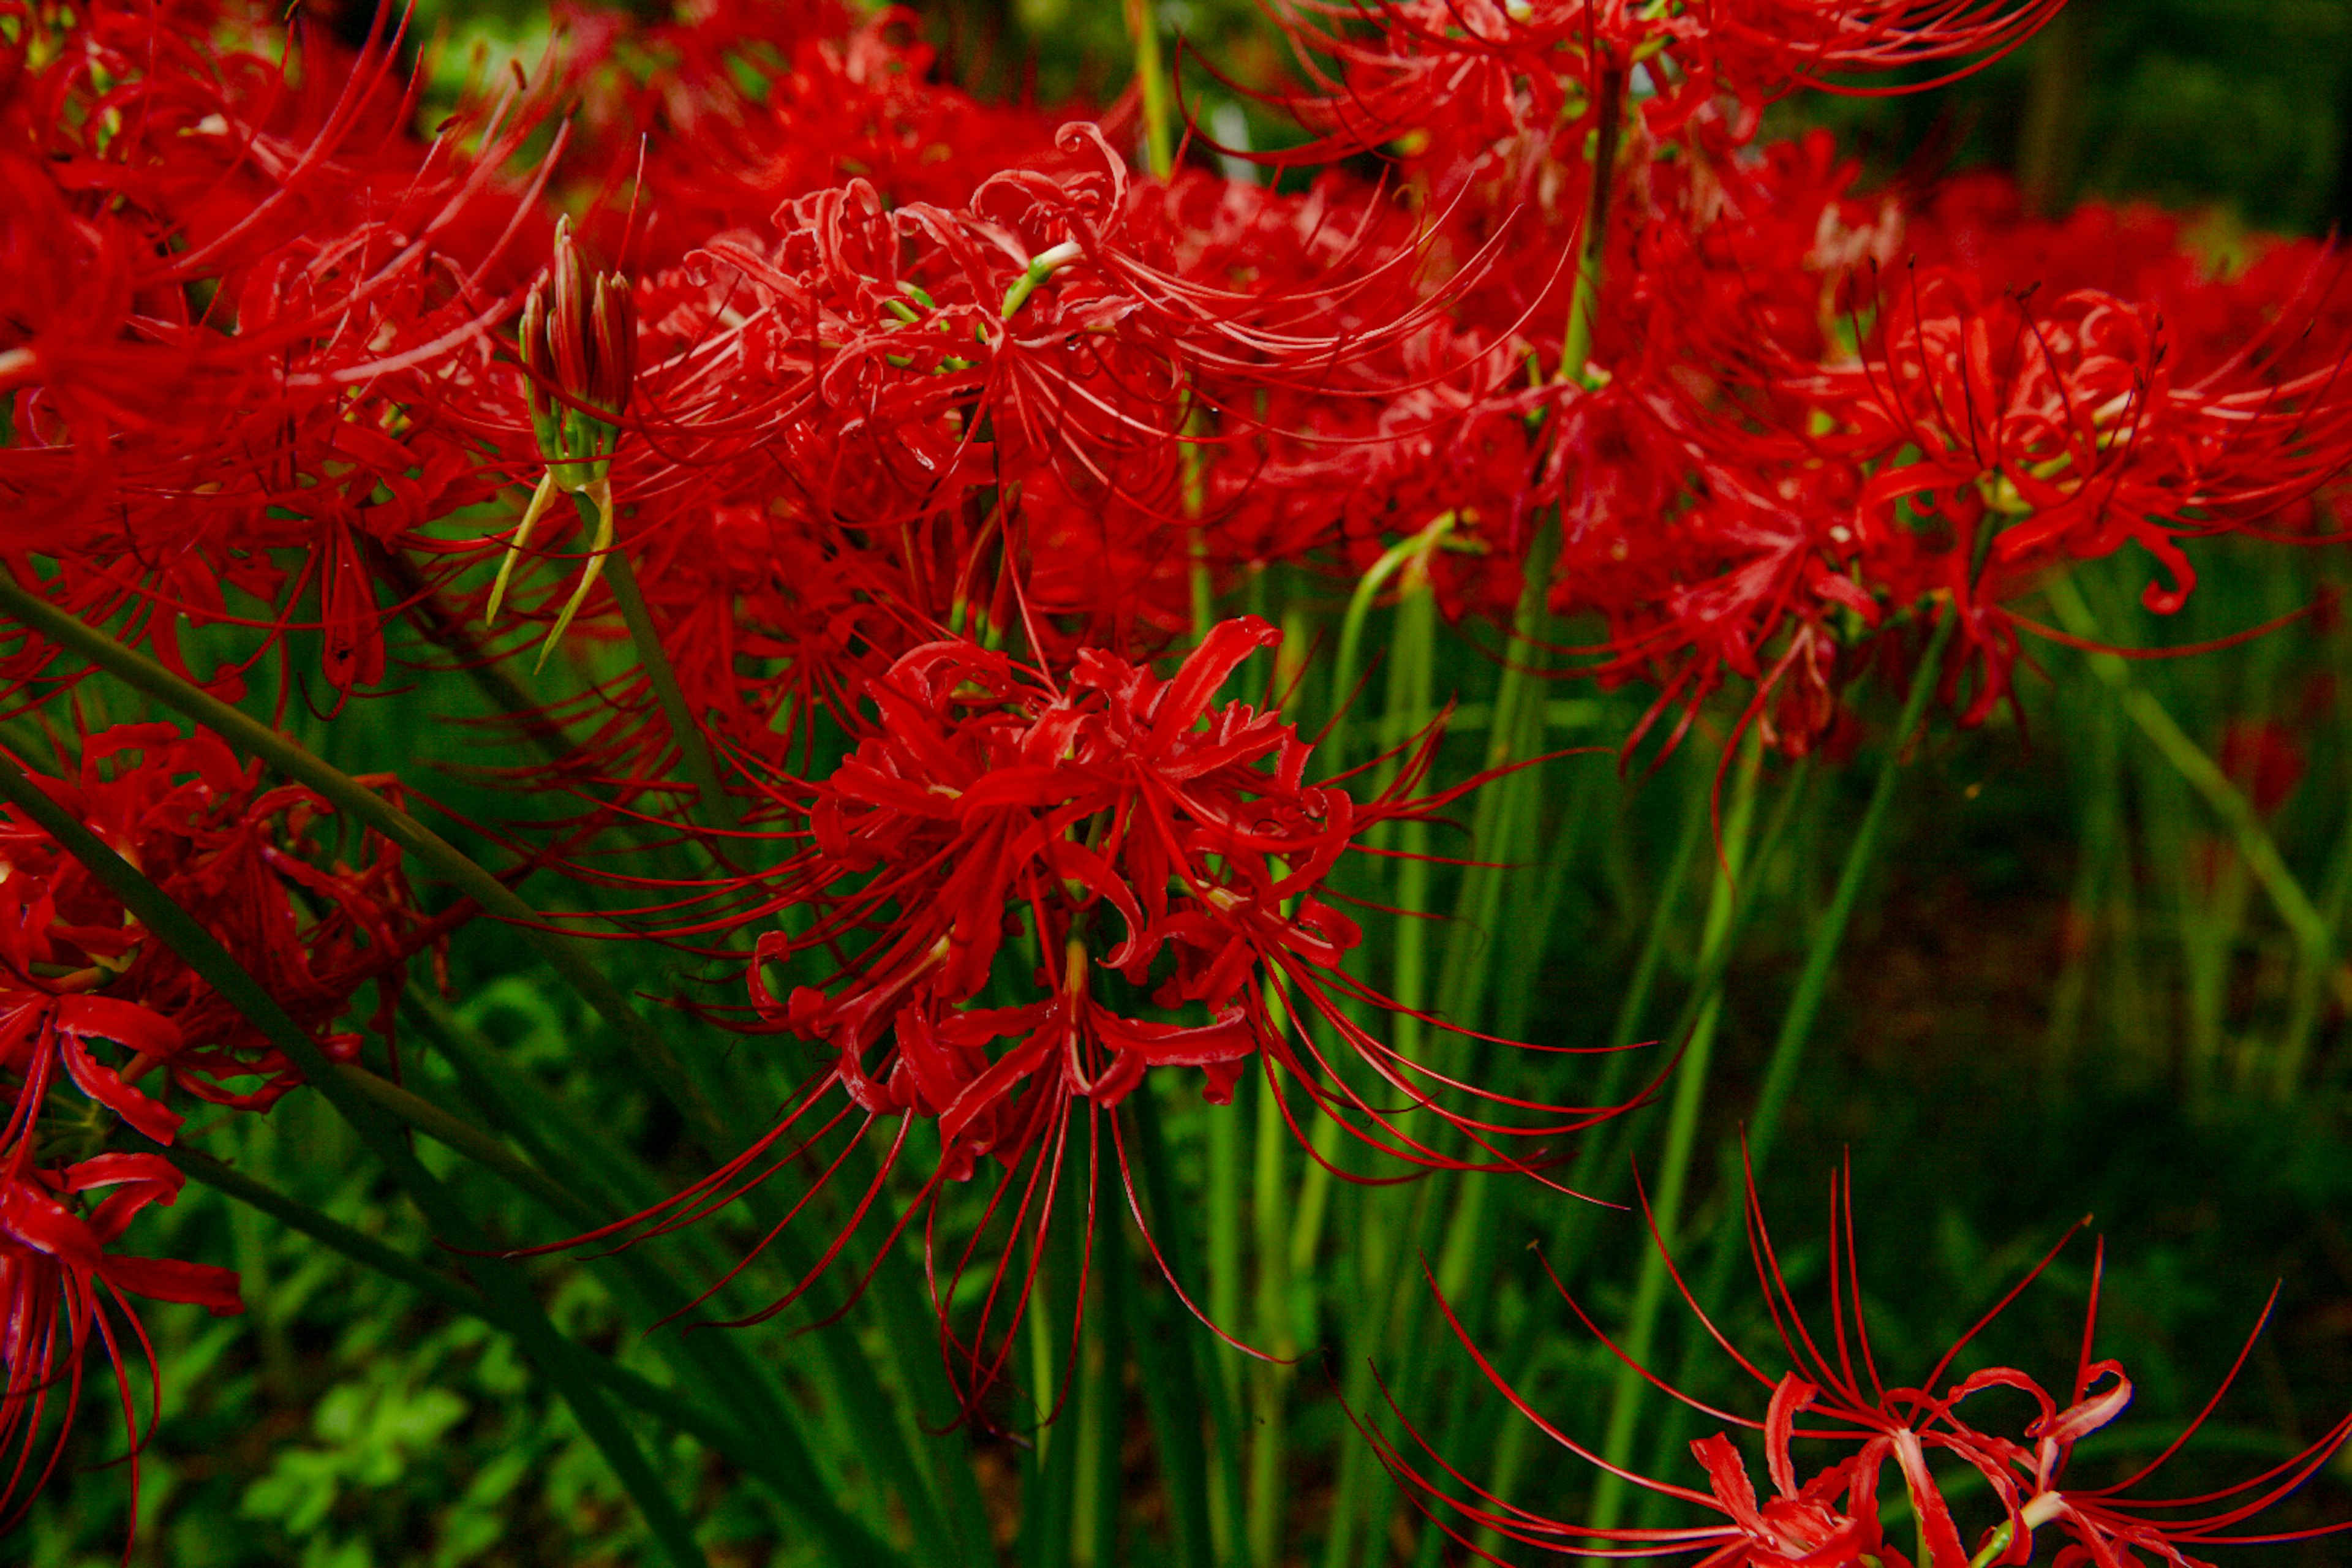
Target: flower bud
x,y
578,343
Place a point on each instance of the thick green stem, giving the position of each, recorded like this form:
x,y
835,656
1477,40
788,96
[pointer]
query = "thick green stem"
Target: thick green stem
x,y
500,1281
1277,1333
714,807
1682,1135
1221,1134
1385,1216
1052,1470
1804,1009
1164,1343
1094,1530
1152,81
1400,1224
1591,254
568,957
1829,935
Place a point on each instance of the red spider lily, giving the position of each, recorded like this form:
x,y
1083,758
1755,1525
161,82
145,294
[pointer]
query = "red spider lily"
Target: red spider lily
x,y
1832,1392
749,105
2046,437
57,1271
255,292
1768,500
1464,72
1115,828
242,861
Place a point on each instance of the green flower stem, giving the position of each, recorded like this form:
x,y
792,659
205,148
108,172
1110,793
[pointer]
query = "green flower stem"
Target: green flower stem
x,y
1094,1526
500,1281
1151,83
487,671
1512,1447
1051,1470
1329,1139
1682,1135
1526,942
1222,1137
568,955
1385,1215
1165,1344
1829,935
1584,299
2302,917
846,1538
584,1159
456,1133
1277,1335
714,807
1763,1130
1503,816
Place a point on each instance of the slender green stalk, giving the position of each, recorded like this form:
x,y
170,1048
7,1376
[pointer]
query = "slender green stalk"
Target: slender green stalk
x,y
2304,920
1511,1449
1410,695
500,1281
1094,1530
1164,1344
1051,1470
1682,1135
714,807
560,1182
1504,812
1828,936
584,1161
849,1540
1221,1135
1152,81
1386,1216
568,957
488,673
456,1133
1584,301
1277,1335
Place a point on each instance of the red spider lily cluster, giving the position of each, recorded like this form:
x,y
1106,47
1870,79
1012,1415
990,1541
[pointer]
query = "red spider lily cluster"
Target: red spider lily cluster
x,y
907,435
91,1004
1833,1399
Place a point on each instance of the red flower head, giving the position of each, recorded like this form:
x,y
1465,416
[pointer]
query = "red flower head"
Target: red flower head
x,y
1833,1393
56,1272
75,967
1464,73
1098,842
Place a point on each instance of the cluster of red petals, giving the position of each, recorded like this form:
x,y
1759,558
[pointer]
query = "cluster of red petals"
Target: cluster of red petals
x,y
1108,840
1886,1438
91,1004
238,299
1445,74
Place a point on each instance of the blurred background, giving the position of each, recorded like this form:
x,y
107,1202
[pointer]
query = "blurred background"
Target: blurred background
x,y
2065,995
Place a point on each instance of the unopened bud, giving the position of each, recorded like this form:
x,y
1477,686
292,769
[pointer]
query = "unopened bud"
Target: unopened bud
x,y
578,343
